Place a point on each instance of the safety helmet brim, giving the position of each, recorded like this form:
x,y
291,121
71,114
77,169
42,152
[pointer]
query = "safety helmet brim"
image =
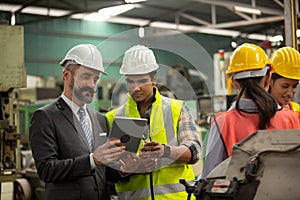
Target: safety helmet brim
x,y
86,55
247,57
137,60
251,73
142,69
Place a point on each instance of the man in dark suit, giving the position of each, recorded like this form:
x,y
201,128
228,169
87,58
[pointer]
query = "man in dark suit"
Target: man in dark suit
x,y
70,149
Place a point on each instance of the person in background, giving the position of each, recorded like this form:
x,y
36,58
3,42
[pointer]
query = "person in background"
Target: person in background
x,y
172,143
285,80
253,109
68,139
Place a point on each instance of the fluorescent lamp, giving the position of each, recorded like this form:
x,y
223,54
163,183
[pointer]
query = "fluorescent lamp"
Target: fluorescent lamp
x,y
233,44
215,31
191,28
134,1
254,36
116,10
9,7
79,15
141,32
247,10
35,10
298,32
13,19
276,38
105,13
44,11
127,20
165,25
95,16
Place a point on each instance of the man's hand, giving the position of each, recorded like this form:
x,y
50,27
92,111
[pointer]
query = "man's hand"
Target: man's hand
x,y
147,165
108,152
129,163
152,150
135,164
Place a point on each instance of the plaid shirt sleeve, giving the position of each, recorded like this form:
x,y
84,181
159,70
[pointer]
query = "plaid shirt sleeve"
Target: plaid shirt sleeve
x,y
188,134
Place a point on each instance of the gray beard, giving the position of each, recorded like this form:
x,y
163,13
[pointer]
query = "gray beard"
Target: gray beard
x,y
78,94
86,99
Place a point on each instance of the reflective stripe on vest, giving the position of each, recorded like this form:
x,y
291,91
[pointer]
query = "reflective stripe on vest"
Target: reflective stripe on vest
x,y
159,190
295,106
171,136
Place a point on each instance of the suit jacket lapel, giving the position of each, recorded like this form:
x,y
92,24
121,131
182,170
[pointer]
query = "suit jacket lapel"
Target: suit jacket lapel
x,y
98,133
67,112
95,126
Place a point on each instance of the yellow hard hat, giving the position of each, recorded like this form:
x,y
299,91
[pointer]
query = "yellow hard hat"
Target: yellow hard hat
x,y
286,62
247,57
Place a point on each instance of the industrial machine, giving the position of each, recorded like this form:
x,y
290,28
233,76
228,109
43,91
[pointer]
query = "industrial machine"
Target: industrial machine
x,y
18,177
265,165
13,75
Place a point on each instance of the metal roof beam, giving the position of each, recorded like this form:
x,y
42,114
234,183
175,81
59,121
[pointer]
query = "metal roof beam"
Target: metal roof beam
x,y
279,3
169,12
26,5
67,3
213,14
247,23
264,10
194,19
242,15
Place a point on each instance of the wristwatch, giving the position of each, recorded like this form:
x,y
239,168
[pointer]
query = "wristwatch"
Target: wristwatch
x,y
167,151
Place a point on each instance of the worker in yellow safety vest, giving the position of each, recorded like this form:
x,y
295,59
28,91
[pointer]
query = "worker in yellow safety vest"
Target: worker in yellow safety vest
x,y
170,146
286,76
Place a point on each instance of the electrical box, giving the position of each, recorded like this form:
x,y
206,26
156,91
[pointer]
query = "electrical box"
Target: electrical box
x,y
12,69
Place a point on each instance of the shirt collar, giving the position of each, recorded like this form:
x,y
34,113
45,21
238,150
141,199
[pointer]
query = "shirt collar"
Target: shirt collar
x,y
74,107
248,105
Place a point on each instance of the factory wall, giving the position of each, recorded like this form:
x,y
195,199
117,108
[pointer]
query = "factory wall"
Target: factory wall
x,y
47,42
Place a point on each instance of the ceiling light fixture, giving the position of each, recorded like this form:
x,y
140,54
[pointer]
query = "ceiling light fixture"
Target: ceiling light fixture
x,y
298,32
134,1
247,10
105,13
127,20
34,10
141,32
276,38
13,19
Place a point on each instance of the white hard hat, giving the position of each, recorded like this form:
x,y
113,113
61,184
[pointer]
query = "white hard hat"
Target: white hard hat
x,y
86,55
138,60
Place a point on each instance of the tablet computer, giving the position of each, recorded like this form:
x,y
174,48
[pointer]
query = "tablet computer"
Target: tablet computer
x,y
130,131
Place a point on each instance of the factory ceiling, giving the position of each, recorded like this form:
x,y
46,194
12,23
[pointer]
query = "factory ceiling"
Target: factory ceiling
x,y
228,17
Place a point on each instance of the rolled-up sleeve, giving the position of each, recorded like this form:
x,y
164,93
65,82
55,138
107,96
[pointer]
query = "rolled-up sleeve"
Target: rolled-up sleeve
x,y
188,134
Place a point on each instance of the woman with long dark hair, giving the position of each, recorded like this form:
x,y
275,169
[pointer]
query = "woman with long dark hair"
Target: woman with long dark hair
x,y
253,109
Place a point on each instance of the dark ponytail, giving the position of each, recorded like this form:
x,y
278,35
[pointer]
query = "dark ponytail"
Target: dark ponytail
x,y
266,104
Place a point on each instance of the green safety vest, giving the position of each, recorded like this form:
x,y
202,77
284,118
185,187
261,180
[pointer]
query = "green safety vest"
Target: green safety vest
x,y
166,184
